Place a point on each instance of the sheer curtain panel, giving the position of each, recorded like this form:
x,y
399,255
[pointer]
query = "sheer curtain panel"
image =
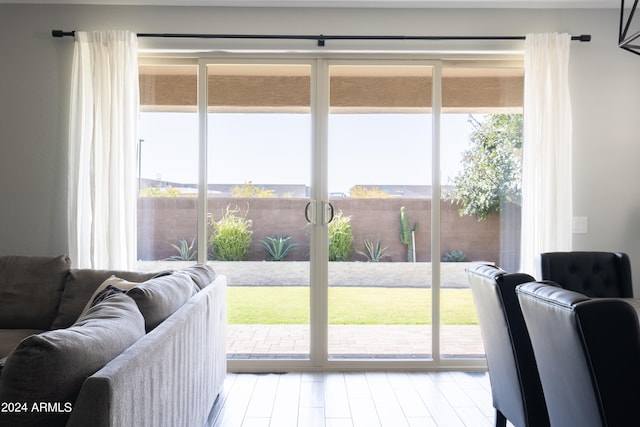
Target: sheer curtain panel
x,y
547,204
103,139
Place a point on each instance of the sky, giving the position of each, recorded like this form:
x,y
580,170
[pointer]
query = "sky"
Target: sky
x,y
275,148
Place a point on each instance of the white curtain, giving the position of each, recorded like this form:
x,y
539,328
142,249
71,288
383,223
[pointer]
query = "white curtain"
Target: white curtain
x,y
547,208
103,135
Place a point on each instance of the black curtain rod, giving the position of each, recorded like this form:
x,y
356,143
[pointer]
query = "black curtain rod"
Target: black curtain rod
x,y
320,38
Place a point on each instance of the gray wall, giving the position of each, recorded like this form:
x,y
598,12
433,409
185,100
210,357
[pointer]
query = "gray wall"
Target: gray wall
x,y
34,83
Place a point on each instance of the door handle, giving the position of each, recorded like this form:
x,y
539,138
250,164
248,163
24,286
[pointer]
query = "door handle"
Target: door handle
x,y
327,212
310,212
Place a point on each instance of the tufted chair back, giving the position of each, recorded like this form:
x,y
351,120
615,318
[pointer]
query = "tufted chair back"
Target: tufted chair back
x,y
588,353
515,385
594,274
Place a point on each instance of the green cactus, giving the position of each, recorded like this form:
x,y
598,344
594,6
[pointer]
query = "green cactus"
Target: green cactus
x,y
407,234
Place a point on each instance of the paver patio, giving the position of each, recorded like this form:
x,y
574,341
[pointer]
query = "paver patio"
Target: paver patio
x,y
345,341
353,341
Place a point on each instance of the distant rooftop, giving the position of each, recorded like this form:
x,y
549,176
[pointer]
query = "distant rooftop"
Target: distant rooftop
x,y
292,190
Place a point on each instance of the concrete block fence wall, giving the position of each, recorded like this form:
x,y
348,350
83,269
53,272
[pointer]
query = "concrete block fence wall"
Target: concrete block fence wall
x,y
165,220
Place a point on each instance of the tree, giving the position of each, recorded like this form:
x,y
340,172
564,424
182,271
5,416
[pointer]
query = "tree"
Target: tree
x,y
492,166
251,190
362,192
149,191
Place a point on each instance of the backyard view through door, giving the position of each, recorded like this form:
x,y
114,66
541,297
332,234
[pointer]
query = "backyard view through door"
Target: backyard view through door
x,y
417,163
480,199
259,162
379,180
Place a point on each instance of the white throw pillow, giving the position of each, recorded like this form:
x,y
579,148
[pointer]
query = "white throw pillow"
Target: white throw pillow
x,y
114,281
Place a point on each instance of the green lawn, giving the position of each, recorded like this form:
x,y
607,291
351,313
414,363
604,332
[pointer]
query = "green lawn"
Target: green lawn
x,y
348,306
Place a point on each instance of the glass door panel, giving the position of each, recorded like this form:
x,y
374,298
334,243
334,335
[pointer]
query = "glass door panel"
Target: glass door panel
x,y
259,157
481,140
167,167
379,183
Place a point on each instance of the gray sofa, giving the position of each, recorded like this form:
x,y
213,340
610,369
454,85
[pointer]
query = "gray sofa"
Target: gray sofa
x,y
81,347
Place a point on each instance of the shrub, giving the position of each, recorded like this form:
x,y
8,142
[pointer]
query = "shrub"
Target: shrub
x,y
230,236
278,247
340,238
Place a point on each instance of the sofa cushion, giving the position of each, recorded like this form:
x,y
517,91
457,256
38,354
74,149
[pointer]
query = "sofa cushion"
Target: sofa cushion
x,y
50,367
201,274
80,285
158,298
10,338
30,290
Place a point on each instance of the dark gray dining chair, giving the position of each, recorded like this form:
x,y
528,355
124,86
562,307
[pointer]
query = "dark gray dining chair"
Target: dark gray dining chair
x,y
592,273
515,385
588,355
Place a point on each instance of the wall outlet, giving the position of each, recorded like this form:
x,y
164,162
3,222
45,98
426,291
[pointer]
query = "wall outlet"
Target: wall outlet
x,y
580,225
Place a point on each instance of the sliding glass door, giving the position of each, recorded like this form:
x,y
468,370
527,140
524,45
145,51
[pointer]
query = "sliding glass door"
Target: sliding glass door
x,y
334,195
258,187
480,174
167,221
380,140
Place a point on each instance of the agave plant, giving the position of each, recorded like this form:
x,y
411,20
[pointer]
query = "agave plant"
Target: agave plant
x,y
375,250
455,255
278,247
185,251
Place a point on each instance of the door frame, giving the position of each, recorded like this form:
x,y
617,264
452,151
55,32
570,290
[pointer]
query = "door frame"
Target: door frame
x,y
319,93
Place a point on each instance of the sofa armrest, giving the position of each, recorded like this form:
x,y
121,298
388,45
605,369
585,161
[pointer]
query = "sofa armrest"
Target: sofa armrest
x,y
170,377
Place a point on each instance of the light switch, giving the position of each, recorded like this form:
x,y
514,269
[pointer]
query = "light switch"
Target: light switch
x,y
580,225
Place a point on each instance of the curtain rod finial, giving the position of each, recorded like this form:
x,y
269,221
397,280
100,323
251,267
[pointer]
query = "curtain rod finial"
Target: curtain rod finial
x,y
60,33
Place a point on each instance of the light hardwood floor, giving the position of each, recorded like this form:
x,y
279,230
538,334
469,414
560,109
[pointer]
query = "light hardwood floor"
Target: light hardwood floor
x,y
368,399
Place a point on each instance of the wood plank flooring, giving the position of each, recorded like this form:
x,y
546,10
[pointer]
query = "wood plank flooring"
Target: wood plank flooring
x,y
367,399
